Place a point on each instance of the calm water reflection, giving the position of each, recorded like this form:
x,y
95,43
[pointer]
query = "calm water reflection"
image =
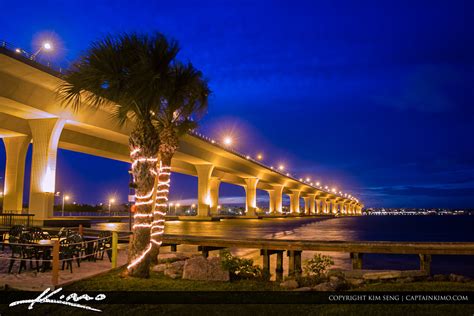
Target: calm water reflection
x,y
364,228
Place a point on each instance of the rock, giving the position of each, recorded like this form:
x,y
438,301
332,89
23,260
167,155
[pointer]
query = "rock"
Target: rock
x,y
171,257
457,278
160,267
195,268
334,279
325,287
355,282
215,272
338,283
303,289
175,270
382,275
440,277
200,268
405,280
289,284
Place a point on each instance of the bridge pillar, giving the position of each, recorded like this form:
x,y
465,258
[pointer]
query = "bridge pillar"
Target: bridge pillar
x,y
214,184
333,206
306,205
271,201
204,195
251,196
294,202
277,199
15,149
312,204
318,206
45,133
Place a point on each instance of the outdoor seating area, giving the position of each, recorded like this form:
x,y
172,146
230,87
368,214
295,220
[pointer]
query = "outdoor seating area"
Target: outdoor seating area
x,y
31,250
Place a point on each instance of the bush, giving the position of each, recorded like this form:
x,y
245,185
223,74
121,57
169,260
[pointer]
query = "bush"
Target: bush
x,y
317,265
241,268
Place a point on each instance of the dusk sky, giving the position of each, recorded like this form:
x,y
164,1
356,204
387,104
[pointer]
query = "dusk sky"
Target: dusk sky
x,y
373,97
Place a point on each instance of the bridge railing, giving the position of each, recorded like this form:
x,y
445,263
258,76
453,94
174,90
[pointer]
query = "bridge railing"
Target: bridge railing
x,y
16,51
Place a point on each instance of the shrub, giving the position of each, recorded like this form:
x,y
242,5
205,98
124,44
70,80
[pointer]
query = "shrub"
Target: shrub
x,y
240,268
317,265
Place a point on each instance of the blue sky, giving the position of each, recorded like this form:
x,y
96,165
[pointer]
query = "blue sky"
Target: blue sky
x,y
374,97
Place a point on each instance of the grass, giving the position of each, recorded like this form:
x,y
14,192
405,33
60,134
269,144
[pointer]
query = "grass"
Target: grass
x,y
113,282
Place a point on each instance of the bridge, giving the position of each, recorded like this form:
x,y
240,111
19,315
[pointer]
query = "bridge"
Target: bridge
x,y
30,112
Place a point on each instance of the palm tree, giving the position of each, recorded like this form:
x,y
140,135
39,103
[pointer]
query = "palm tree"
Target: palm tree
x,y
186,100
133,76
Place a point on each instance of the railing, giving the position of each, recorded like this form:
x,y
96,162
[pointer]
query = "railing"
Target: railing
x,y
27,56
294,248
11,219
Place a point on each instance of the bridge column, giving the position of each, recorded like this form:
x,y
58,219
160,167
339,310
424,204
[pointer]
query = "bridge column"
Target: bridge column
x,y
271,201
312,204
214,184
333,207
306,205
294,202
45,133
251,197
15,149
341,208
204,195
277,199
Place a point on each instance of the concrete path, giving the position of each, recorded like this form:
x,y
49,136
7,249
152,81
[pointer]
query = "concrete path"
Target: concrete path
x,y
30,280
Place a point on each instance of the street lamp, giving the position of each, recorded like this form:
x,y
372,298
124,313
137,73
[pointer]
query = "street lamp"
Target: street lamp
x,y
111,201
47,46
65,198
227,140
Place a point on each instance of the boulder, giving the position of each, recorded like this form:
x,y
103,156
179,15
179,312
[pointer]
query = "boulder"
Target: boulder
x,y
215,272
440,277
289,284
195,268
405,280
175,270
382,275
200,268
159,267
325,287
457,278
355,282
171,257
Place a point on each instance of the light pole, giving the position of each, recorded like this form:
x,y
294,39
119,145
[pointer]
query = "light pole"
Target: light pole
x,y
47,46
111,201
65,198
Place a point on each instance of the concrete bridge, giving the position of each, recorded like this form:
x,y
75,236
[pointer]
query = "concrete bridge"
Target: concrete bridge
x,y
31,113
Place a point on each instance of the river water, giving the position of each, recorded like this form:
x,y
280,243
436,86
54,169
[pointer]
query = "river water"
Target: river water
x,y
362,228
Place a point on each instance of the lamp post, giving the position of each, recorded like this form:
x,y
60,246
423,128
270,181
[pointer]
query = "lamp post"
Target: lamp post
x,y
111,201
65,198
47,46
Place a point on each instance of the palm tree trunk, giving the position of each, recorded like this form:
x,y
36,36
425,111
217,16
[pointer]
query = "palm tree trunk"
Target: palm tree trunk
x,y
144,144
168,146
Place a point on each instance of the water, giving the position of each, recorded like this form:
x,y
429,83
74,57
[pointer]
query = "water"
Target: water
x,y
363,228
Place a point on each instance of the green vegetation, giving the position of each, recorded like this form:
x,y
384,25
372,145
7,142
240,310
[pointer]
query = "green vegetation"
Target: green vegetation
x,y
241,268
317,265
